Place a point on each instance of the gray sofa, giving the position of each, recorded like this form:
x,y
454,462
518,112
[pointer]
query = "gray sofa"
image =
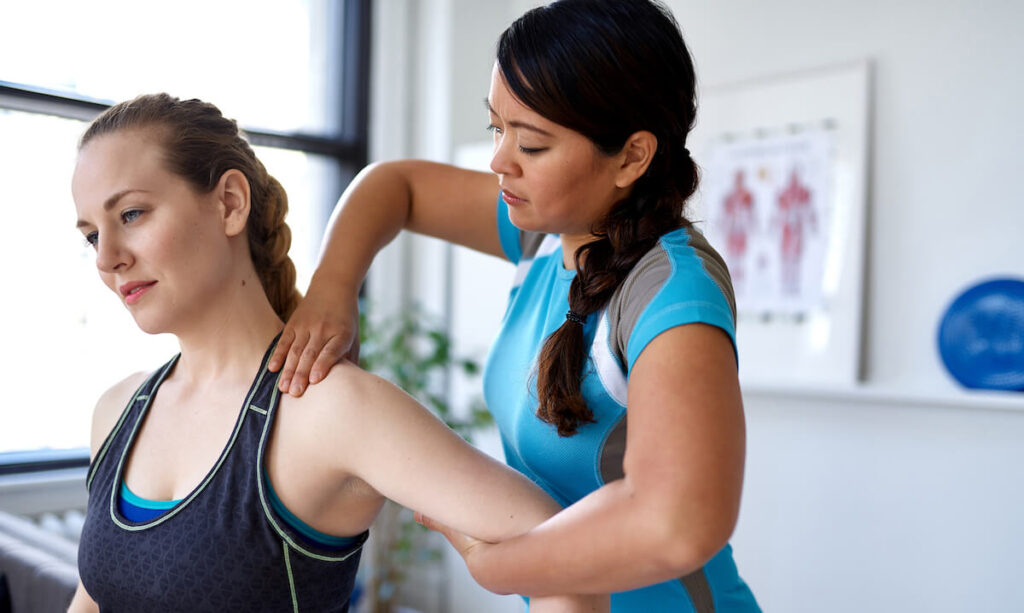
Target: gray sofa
x,y
40,568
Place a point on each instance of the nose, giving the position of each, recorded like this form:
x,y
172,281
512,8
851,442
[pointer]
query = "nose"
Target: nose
x,y
111,255
502,160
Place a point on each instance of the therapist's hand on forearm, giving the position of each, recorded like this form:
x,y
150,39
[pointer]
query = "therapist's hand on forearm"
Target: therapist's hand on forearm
x,y
464,544
472,550
323,331
469,548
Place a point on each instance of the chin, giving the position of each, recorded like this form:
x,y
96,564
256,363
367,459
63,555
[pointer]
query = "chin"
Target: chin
x,y
151,325
524,221
153,330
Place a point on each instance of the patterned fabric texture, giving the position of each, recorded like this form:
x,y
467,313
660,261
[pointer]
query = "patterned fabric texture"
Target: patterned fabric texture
x,y
223,548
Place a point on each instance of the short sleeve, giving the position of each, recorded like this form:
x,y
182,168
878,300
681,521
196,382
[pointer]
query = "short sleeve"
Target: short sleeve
x,y
680,281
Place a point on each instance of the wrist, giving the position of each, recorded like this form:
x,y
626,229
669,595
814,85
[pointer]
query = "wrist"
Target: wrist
x,y
335,283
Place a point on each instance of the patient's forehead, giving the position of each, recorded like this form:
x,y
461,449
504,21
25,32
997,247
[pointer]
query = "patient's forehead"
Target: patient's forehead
x,y
126,159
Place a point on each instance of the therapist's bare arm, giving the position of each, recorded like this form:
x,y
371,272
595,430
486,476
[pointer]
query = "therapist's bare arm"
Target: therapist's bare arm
x,y
678,501
446,202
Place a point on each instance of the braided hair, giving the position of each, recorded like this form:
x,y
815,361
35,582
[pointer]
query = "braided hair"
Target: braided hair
x,y
200,145
606,69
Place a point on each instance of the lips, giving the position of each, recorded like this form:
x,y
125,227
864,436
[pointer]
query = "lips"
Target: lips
x,y
134,290
511,198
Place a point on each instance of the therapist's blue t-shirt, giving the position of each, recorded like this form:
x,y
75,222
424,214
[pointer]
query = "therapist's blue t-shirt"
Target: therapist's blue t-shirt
x,y
681,280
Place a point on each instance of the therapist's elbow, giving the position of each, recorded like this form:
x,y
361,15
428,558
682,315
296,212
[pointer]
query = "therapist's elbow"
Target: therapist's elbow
x,y
689,542
689,556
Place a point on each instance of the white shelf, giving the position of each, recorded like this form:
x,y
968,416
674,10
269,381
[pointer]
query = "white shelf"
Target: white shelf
x,y
867,393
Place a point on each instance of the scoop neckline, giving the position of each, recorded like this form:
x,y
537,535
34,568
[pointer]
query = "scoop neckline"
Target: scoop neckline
x,y
115,512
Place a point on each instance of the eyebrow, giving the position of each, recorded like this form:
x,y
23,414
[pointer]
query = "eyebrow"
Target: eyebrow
x,y
517,124
111,202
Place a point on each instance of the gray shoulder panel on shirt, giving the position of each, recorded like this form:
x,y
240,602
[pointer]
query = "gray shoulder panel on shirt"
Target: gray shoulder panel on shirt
x,y
647,278
613,452
714,265
628,302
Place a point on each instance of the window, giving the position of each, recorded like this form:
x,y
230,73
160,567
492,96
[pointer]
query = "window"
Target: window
x,y
294,75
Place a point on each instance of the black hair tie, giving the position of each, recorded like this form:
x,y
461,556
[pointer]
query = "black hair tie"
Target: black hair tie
x,y
575,317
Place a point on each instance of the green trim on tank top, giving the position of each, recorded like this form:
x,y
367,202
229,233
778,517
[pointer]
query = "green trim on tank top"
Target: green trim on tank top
x,y
290,518
264,498
302,527
119,471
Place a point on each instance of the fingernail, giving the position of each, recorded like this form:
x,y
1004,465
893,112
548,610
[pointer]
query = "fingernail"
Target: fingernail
x,y
314,378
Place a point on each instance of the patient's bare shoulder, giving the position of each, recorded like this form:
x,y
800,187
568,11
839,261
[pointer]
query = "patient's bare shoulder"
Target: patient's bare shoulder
x,y
325,430
349,414
349,388
109,408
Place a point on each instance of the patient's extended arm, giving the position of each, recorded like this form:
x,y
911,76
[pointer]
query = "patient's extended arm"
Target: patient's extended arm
x,y
392,442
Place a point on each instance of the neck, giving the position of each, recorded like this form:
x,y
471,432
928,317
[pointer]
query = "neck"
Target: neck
x,y
570,245
226,341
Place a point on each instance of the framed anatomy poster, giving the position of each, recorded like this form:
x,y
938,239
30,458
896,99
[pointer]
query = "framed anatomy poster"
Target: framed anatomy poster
x,y
783,199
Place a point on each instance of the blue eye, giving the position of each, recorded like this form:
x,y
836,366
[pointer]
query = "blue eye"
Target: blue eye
x,y
130,215
493,128
127,217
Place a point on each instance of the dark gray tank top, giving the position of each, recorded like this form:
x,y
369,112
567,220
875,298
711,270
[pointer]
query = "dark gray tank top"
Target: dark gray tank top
x,y
222,548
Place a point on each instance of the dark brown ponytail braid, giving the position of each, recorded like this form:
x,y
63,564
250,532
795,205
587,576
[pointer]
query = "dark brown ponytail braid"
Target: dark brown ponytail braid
x,y
629,231
606,69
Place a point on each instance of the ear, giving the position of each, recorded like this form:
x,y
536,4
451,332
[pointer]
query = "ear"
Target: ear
x,y
233,197
636,154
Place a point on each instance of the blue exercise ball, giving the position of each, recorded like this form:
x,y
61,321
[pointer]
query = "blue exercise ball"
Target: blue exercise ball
x,y
981,335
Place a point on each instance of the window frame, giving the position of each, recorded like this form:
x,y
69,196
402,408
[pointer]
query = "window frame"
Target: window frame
x,y
349,149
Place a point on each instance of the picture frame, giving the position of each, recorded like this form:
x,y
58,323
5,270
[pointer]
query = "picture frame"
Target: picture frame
x,y
783,198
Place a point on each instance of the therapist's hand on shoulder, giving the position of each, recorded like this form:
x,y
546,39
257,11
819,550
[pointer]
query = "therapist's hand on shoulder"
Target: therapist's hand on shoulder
x,y
323,330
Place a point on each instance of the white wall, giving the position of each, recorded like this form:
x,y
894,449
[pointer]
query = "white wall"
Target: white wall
x,y
946,143
903,494
906,495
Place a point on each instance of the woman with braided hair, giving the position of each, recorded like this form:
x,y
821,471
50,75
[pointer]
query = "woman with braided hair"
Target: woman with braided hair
x,y
209,490
613,379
